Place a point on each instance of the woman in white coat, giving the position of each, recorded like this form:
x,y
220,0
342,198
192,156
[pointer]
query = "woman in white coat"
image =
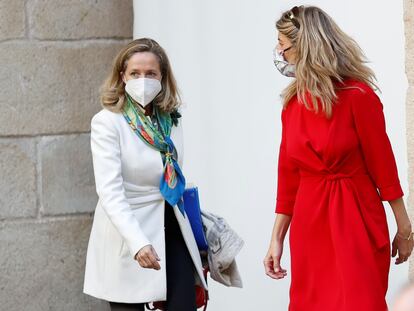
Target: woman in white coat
x,y
141,248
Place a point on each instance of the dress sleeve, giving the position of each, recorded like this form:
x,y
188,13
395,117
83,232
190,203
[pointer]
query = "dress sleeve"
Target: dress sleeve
x,y
106,158
288,177
376,148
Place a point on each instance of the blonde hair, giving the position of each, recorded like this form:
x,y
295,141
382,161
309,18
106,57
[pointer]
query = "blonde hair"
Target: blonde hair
x,y
324,55
113,89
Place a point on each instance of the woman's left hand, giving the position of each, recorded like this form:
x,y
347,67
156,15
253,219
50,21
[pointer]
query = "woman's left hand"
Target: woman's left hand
x,y
403,247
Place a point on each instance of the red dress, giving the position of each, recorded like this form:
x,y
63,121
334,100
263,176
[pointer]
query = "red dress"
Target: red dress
x,y
332,178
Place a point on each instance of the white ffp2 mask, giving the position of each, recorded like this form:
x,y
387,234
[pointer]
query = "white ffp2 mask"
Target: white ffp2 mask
x,y
143,90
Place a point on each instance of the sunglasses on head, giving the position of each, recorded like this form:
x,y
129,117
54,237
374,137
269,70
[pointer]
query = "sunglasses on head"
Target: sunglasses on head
x,y
293,14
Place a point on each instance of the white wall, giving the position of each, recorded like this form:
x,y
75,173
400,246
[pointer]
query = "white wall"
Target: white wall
x,y
221,52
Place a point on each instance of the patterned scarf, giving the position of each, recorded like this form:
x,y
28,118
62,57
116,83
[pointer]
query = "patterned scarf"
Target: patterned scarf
x,y
172,183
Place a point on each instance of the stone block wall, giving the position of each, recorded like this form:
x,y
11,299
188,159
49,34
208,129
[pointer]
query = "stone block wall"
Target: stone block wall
x,y
54,55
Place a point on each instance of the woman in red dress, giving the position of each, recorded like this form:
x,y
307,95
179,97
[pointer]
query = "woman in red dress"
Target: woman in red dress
x,y
335,168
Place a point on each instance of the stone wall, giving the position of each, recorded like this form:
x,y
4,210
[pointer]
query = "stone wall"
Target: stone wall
x,y
54,55
409,50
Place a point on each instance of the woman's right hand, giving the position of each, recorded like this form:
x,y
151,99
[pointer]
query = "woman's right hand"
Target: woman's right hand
x,y
272,261
148,258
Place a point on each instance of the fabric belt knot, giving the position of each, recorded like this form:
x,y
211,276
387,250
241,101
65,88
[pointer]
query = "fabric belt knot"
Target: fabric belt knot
x,y
331,176
336,176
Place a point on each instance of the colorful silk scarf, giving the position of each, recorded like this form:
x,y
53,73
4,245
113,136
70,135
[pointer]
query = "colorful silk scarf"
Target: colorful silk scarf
x,y
172,183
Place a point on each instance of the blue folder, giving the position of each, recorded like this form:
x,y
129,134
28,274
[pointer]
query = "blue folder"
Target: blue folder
x,y
193,211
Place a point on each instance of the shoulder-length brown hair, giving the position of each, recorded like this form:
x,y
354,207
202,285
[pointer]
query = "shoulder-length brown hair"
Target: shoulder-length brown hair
x,y
113,89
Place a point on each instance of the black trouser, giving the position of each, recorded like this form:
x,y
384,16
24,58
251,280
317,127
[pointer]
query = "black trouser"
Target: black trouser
x,y
180,270
118,306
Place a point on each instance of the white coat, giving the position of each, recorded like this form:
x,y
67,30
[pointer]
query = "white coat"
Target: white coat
x,y
129,214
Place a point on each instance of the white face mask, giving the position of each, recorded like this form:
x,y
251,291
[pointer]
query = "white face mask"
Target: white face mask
x,y
282,64
143,90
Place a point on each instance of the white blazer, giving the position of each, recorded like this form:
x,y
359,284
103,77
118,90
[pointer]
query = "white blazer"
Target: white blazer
x,y
129,214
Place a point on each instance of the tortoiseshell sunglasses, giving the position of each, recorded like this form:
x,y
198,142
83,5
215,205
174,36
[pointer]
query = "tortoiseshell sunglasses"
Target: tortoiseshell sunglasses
x,y
293,14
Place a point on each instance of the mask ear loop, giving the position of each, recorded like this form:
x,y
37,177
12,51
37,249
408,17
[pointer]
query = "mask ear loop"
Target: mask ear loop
x,y
277,52
287,49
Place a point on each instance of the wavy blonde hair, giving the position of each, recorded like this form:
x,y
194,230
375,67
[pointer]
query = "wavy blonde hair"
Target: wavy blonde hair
x,y
324,55
113,89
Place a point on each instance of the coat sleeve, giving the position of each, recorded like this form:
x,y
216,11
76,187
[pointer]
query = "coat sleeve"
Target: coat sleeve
x,y
288,177
106,158
369,122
